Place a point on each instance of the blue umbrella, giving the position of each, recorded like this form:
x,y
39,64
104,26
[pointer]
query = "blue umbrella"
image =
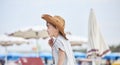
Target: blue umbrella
x,y
112,56
2,56
46,55
79,55
14,56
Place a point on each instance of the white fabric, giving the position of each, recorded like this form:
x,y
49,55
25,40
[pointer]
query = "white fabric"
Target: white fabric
x,y
96,40
64,45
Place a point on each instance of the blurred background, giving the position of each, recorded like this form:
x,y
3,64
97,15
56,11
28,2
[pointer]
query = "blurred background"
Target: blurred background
x,y
23,17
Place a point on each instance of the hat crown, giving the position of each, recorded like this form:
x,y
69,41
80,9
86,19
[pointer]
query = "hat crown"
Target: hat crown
x,y
60,20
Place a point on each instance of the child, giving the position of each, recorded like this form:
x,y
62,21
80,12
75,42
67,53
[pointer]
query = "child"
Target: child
x,y
61,48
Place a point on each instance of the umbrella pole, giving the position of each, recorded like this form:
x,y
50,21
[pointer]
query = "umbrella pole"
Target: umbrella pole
x,y
6,52
93,62
99,60
37,45
96,60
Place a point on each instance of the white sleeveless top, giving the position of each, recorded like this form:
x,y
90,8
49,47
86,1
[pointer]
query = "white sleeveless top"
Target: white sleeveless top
x,y
64,45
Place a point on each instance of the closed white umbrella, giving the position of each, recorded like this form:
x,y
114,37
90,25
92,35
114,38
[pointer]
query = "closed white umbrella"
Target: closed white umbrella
x,y
97,45
96,40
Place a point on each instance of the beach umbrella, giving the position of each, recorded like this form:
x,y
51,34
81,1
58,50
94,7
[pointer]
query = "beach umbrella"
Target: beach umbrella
x,y
46,55
2,56
97,45
35,32
76,40
8,41
112,56
14,56
79,55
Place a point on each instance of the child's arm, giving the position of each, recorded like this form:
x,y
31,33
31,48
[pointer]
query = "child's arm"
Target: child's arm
x,y
61,57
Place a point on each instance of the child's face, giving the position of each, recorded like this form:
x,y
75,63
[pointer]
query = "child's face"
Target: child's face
x,y
51,30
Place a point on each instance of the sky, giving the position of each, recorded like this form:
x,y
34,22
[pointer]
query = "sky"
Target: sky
x,y
17,14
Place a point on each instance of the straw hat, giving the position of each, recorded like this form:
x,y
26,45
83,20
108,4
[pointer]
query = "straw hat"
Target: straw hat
x,y
58,21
